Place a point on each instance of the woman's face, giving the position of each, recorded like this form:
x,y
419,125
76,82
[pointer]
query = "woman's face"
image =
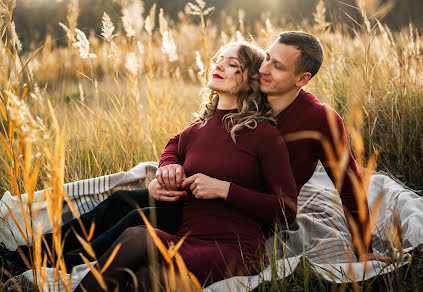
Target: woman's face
x,y
226,75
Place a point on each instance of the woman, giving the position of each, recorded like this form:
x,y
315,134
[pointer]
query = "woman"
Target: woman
x,y
232,140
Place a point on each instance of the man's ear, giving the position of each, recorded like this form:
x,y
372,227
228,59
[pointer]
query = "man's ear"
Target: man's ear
x,y
303,79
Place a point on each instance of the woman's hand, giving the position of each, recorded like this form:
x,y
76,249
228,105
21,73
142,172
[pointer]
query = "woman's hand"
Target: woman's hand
x,y
205,187
170,176
159,193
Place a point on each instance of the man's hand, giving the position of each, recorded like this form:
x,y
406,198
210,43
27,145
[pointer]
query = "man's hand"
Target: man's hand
x,y
170,176
159,193
205,187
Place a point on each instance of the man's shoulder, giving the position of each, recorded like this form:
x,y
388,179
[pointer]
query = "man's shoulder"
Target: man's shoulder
x,y
310,114
312,107
310,101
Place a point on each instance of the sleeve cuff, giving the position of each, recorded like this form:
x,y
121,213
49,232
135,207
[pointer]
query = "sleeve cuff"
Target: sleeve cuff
x,y
167,162
233,192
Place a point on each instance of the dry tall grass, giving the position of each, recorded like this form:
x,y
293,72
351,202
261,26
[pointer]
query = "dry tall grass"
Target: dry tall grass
x,y
106,102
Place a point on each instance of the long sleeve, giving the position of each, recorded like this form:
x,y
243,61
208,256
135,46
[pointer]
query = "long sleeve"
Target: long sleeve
x,y
170,154
350,200
280,203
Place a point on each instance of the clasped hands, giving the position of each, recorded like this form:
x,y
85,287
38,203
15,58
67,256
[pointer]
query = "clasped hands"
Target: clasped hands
x,y
171,181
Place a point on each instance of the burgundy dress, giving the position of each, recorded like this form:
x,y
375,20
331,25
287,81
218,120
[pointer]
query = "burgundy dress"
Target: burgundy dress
x,y
306,113
225,237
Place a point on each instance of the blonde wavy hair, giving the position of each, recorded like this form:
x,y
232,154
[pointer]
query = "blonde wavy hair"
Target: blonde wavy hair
x,y
252,105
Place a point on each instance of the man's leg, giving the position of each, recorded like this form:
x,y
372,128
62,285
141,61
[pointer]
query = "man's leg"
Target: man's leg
x,y
104,216
168,220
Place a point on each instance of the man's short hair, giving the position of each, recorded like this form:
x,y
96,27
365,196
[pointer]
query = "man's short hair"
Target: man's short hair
x,y
311,57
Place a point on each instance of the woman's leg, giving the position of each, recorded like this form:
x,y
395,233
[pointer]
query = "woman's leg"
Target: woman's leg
x,y
133,254
143,280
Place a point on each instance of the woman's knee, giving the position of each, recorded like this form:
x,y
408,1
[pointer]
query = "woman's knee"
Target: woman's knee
x,y
136,233
136,244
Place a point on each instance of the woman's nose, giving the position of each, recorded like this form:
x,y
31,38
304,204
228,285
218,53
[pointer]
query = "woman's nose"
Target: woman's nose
x,y
219,66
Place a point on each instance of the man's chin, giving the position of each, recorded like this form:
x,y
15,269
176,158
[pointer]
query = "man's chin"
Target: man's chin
x,y
264,89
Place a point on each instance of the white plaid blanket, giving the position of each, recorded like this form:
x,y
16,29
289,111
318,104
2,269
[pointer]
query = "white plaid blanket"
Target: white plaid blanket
x,y
320,232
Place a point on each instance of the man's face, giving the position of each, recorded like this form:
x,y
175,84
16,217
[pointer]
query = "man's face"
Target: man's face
x,y
277,72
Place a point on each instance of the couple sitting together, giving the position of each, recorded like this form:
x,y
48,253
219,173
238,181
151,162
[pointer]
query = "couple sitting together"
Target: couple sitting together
x,y
229,176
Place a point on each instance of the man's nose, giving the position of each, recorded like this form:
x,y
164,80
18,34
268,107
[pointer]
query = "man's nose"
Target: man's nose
x,y
264,68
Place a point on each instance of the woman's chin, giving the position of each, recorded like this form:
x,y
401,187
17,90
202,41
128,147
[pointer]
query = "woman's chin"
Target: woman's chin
x,y
211,86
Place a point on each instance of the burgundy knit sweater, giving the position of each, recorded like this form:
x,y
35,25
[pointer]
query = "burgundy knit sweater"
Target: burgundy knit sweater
x,y
225,236
258,161
306,113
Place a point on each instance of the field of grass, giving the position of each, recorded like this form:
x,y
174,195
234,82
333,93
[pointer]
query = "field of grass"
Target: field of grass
x,y
106,102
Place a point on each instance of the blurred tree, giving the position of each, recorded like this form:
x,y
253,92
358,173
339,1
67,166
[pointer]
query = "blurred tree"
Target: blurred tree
x,y
36,18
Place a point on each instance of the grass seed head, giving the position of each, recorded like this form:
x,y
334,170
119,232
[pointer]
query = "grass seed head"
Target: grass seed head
x,y
83,44
131,63
169,46
15,39
108,28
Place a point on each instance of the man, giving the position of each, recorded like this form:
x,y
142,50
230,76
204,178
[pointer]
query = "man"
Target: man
x,y
292,60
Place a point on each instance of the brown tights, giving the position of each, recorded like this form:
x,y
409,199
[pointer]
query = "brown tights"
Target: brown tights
x,y
134,254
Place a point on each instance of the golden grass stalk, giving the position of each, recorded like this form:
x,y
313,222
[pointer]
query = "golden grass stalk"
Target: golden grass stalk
x,y
96,273
159,244
199,9
72,18
381,67
40,261
111,258
170,255
87,247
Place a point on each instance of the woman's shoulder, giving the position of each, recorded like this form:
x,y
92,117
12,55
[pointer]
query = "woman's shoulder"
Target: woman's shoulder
x,y
192,125
265,132
266,127
189,129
